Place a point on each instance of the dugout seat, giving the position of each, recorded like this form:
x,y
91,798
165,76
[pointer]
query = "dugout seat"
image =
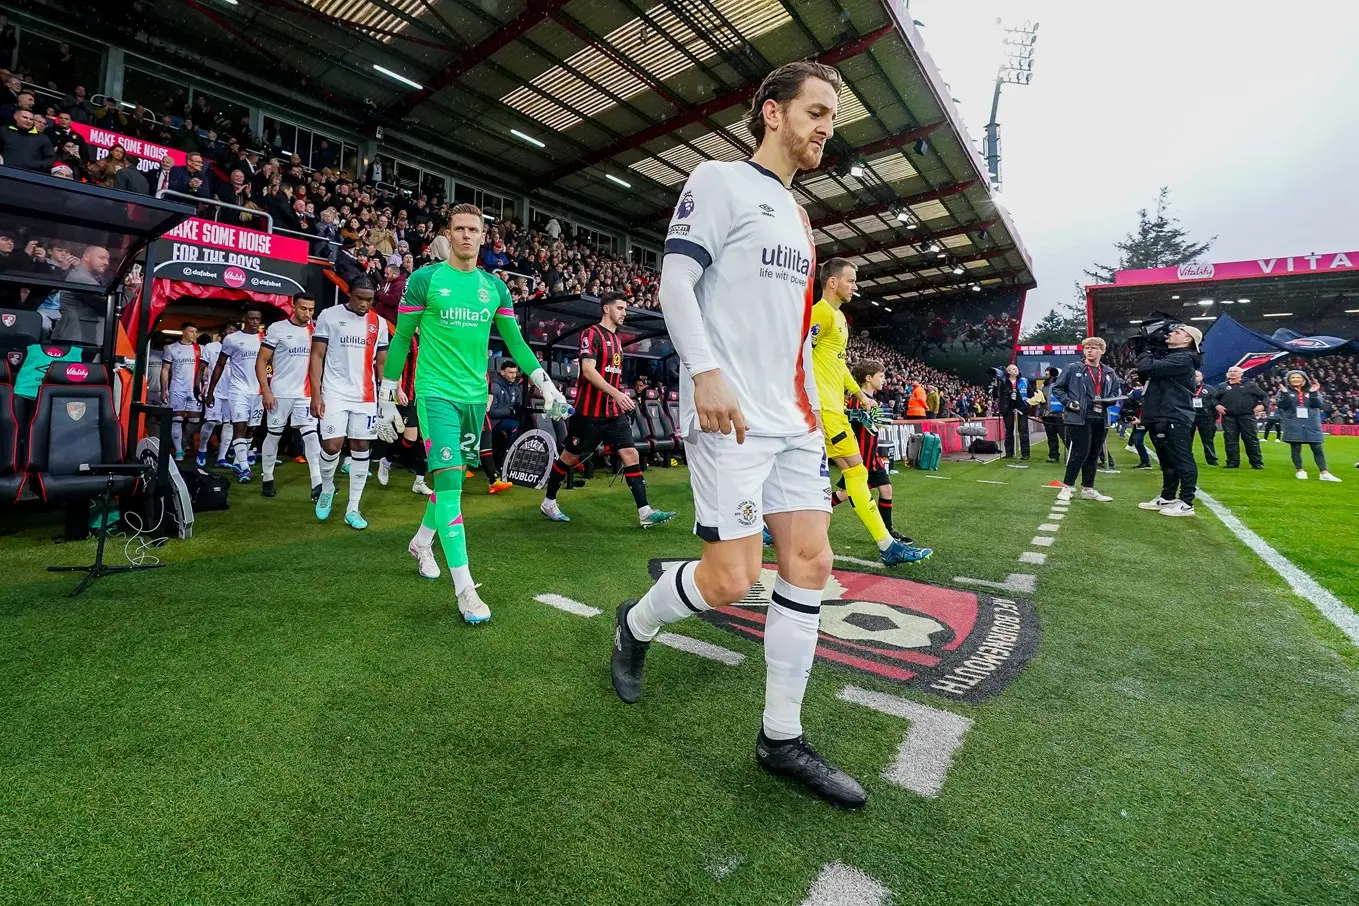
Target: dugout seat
x,y
18,331
662,435
11,472
672,408
74,429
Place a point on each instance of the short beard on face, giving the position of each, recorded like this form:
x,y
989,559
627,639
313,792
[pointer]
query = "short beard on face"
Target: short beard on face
x,y
799,150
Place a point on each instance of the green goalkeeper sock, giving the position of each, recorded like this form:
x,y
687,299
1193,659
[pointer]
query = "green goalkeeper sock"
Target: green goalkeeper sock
x,y
447,503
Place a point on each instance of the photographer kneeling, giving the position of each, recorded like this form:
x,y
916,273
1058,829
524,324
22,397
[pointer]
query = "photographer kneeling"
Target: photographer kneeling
x,y
1168,413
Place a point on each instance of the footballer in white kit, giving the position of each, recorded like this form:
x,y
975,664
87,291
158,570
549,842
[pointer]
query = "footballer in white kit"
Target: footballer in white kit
x,y
179,383
285,351
348,350
215,410
245,406
737,293
210,351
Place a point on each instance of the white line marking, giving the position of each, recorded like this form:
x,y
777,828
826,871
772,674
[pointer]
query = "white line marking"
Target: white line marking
x,y
702,649
1014,582
984,481
1048,527
1331,607
1042,540
568,605
840,885
1033,557
925,755
1057,515
940,477
856,561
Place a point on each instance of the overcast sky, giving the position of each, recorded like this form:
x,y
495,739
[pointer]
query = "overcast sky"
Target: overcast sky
x,y
1248,111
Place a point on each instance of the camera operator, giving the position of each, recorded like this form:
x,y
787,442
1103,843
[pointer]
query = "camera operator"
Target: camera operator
x,y
1079,388
1240,403
1169,414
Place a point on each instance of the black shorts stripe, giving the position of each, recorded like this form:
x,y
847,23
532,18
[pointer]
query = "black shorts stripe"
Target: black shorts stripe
x,y
707,532
839,437
679,586
785,601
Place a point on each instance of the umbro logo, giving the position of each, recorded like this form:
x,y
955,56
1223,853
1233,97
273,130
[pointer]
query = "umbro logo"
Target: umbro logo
x,y
768,211
445,292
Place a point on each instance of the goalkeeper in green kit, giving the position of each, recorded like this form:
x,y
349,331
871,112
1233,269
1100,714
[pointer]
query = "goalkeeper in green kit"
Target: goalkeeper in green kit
x,y
452,304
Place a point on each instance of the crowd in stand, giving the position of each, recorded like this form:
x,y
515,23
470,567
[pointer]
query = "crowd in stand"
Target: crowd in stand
x,y
946,395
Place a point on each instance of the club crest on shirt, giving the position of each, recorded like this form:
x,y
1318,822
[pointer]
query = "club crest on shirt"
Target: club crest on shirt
x,y
483,295
746,513
686,206
445,453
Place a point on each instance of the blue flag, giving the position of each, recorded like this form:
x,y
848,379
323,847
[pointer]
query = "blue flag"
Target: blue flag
x,y
1228,344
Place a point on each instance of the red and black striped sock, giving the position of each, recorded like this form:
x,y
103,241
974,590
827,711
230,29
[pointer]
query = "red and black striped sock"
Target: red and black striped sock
x,y
633,476
555,479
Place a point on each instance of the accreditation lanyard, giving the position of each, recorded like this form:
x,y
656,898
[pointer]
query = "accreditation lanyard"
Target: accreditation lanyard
x,y
1302,405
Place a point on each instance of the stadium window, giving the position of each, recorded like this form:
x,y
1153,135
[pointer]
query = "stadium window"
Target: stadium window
x,y
152,91
647,258
40,55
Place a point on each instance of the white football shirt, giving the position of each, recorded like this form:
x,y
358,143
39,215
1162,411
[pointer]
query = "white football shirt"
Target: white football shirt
x,y
742,225
241,350
352,344
211,353
292,356
183,361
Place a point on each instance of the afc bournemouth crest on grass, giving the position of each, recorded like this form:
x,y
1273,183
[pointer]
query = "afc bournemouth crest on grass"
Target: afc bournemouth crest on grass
x,y
959,645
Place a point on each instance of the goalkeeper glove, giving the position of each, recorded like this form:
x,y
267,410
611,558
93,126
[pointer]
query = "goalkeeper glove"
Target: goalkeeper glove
x,y
390,424
872,419
554,403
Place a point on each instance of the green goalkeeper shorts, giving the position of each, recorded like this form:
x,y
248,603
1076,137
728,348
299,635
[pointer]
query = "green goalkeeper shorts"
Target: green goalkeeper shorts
x,y
452,431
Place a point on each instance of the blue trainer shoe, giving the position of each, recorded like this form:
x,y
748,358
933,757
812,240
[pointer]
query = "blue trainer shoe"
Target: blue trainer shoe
x,y
201,459
900,553
242,474
657,517
354,519
323,503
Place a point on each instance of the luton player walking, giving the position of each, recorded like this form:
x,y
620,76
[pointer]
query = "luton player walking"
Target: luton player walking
x,y
602,413
736,290
287,393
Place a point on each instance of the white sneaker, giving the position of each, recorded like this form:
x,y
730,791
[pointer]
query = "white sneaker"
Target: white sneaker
x,y
420,487
1327,476
1065,493
1156,503
1302,475
1277,441
429,567
1092,494
553,511
472,608
1177,508
384,473
1130,448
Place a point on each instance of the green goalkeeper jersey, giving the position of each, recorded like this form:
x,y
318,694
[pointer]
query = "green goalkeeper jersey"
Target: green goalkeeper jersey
x,y
453,311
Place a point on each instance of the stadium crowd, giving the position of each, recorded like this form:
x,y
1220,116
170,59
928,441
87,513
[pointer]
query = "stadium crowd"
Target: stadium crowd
x,y
945,395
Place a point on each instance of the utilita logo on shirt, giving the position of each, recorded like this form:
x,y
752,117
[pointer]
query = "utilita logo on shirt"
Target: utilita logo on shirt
x,y
463,316
783,262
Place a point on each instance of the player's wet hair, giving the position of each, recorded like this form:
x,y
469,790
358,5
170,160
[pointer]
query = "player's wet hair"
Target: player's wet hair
x,y
866,367
465,208
187,324
784,84
363,282
834,268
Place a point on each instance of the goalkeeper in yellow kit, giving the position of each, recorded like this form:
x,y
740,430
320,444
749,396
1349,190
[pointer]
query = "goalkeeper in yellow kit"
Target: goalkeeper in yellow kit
x,y
830,335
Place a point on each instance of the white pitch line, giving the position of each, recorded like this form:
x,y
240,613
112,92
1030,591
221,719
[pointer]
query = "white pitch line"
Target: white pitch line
x,y
926,753
940,477
568,605
1048,527
1331,607
702,649
1056,516
1033,557
840,885
984,481
1022,583
1042,540
846,558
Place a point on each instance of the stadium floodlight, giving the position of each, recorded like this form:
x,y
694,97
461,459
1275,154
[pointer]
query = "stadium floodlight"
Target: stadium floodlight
x,y
875,305
943,254
623,183
1352,311
903,216
232,2
976,287
1278,314
931,249
1175,297
399,77
885,308
528,138
172,333
1242,301
1205,301
1204,318
957,270
856,170
1226,302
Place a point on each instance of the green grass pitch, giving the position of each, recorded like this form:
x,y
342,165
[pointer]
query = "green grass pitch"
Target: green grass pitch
x,y
288,714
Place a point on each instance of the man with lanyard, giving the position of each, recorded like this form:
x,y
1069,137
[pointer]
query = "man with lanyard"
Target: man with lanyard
x,y
1085,389
1014,407
1205,418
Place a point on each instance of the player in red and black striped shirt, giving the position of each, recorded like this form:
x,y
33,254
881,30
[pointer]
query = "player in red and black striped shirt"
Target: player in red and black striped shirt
x,y
871,375
603,413
411,450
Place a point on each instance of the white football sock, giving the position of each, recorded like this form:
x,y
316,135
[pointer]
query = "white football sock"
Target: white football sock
x,y
358,477
228,429
242,448
269,455
311,448
177,433
329,463
424,536
666,602
789,650
462,578
205,435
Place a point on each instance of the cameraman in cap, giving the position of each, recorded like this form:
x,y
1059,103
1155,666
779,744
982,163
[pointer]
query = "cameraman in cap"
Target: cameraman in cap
x,y
1169,414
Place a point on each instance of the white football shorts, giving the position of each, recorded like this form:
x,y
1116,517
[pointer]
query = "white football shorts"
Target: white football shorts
x,y
295,410
345,418
184,401
247,408
737,485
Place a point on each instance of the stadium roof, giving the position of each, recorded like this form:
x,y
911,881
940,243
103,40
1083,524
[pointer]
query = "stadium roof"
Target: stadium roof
x,y
611,103
1314,294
